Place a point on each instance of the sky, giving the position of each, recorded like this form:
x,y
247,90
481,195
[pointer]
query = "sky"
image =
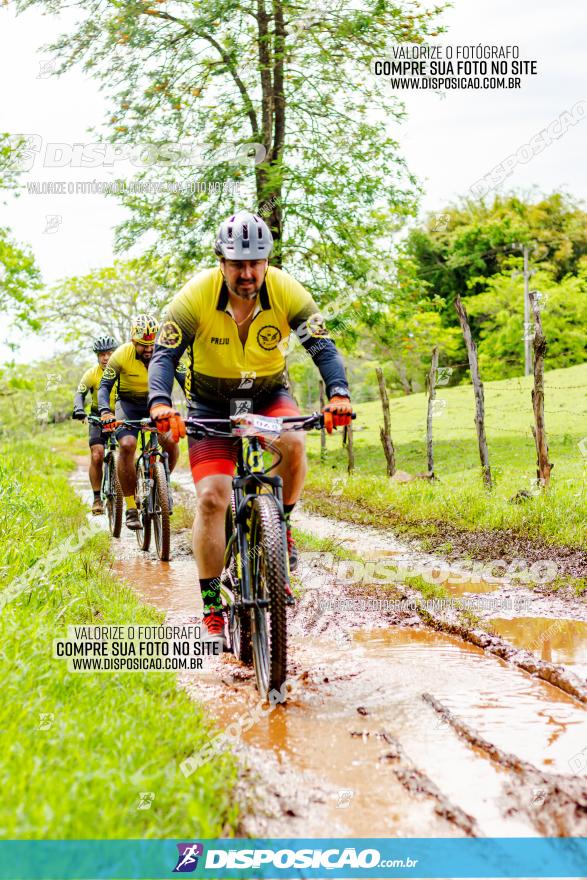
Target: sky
x,y
449,140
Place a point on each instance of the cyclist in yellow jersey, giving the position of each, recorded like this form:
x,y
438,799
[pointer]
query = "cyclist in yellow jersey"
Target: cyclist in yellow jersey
x,y
103,347
127,371
234,321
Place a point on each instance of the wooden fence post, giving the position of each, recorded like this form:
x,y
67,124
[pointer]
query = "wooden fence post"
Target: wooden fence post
x,y
322,430
385,432
544,467
478,389
348,437
431,399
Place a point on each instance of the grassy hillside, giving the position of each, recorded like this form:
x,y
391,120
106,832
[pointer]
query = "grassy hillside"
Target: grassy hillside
x,y
559,516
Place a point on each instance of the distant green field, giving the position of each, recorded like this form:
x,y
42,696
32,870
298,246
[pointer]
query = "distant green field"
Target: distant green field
x,y
559,516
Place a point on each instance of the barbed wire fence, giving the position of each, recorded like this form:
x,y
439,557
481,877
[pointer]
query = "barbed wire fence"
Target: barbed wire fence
x,y
484,413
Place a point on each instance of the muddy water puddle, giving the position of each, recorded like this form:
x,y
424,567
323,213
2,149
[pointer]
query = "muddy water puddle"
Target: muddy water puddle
x,y
557,641
357,715
509,708
169,586
332,727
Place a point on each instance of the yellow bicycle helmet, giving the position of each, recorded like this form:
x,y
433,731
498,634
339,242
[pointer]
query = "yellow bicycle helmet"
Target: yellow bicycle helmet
x,y
144,329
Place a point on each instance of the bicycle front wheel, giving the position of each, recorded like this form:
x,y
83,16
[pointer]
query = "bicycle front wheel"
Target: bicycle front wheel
x,y
161,521
143,535
113,497
268,567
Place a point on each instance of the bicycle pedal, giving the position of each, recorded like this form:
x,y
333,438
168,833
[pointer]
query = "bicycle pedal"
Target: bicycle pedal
x,y
290,600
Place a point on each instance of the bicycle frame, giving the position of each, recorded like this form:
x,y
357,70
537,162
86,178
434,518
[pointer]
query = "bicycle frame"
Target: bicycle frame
x,y
149,451
250,470
111,447
250,478
109,450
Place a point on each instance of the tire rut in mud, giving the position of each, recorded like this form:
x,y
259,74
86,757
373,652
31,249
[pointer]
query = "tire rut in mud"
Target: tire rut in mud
x,y
555,804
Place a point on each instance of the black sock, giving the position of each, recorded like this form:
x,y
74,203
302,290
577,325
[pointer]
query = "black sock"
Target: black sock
x,y
210,588
96,495
287,509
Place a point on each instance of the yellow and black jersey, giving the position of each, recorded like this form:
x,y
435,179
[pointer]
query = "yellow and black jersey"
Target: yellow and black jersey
x,y
221,367
90,381
129,375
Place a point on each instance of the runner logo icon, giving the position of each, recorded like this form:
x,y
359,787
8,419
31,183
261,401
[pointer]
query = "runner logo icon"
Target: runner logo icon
x,y
187,860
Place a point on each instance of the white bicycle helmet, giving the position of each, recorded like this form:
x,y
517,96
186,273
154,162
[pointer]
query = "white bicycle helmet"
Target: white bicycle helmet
x,y
244,236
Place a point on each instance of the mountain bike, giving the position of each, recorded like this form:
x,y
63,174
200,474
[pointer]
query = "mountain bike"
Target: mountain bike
x,y
255,581
153,491
110,491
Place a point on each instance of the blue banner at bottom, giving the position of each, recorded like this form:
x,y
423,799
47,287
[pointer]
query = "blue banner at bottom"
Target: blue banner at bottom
x,y
447,858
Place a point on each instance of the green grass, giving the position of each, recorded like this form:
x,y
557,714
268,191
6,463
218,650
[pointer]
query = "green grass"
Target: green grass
x,y
309,543
109,736
183,517
458,497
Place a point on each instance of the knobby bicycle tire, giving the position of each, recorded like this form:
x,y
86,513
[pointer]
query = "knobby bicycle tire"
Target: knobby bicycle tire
x,y
143,535
268,566
161,520
114,498
239,621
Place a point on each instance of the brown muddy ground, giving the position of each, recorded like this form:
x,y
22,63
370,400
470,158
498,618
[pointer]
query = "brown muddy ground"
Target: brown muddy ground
x,y
482,544
459,580
393,728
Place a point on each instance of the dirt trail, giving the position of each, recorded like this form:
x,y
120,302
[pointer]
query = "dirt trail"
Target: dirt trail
x,y
376,544
362,748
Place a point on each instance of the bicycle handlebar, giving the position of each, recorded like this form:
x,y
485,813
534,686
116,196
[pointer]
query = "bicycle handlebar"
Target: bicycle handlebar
x,y
204,426
136,423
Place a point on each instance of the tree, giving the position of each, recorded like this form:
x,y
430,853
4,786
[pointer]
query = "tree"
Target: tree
x,y
499,314
462,246
11,152
37,393
19,273
105,300
290,78
406,324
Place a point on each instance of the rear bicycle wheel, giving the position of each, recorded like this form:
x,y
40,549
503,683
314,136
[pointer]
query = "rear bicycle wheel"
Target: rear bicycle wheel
x,y
268,567
113,496
239,618
161,521
143,490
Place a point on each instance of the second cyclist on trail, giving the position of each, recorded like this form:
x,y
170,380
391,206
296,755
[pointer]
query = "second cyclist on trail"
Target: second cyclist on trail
x,y
127,370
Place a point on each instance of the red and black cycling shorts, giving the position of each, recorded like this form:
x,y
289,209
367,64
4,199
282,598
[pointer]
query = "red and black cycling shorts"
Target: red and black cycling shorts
x,y
211,455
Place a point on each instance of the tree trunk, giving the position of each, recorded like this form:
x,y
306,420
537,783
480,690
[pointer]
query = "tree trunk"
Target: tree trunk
x,y
323,429
385,432
544,467
431,399
478,389
271,62
403,377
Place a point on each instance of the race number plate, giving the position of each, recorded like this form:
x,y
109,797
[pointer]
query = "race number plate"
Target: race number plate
x,y
249,425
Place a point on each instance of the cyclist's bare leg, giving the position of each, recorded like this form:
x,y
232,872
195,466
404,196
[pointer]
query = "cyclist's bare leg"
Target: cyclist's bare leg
x,y
126,465
96,460
292,469
208,540
171,448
